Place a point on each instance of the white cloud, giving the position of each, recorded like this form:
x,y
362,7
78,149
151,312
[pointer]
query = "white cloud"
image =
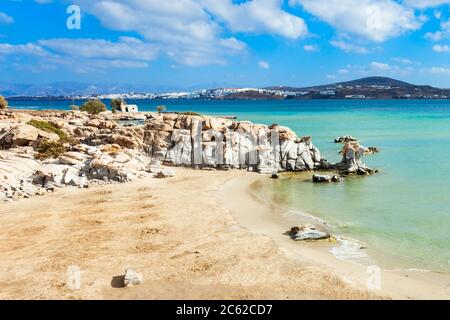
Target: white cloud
x,y
311,47
443,33
377,20
380,66
439,70
403,60
375,68
82,55
423,4
126,48
26,49
441,48
386,69
263,64
192,32
348,47
233,43
434,36
257,16
5,19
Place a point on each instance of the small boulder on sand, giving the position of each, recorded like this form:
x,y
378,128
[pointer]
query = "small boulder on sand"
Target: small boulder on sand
x,y
132,278
165,173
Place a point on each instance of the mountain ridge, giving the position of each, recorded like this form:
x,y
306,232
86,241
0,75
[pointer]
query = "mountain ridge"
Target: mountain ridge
x,y
365,81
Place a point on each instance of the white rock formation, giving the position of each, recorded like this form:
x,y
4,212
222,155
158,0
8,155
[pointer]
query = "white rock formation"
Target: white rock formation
x,y
132,278
101,150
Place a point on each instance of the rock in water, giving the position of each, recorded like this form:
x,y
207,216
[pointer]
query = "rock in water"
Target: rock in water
x,y
344,139
306,233
351,162
275,175
325,178
311,234
371,150
132,278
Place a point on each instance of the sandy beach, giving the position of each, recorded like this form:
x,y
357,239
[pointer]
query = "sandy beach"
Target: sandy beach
x,y
175,232
199,235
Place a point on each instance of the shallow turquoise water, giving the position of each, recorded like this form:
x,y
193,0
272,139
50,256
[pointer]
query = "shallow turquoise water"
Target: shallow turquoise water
x,y
403,212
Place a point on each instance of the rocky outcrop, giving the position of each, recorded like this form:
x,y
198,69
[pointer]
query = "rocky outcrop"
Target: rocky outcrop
x,y
21,176
197,141
351,162
16,169
21,134
101,149
188,140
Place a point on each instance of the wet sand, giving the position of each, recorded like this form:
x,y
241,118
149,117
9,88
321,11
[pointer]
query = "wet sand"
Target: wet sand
x,y
261,217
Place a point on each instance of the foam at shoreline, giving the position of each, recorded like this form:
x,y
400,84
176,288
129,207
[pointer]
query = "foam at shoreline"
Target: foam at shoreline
x,y
347,249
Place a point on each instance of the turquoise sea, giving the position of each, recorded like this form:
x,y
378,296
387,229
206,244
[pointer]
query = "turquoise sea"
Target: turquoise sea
x,y
402,213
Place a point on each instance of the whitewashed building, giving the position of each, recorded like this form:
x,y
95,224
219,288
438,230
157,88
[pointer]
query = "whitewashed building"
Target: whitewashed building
x,y
124,107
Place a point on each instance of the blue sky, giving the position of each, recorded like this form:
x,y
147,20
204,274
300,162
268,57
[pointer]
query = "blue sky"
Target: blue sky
x,y
194,43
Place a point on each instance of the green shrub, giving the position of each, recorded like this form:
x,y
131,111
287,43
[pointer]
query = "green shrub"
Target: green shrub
x,y
50,149
45,126
3,103
115,105
93,107
161,108
190,113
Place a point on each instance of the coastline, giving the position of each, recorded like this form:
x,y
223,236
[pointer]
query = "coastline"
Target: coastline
x,y
268,220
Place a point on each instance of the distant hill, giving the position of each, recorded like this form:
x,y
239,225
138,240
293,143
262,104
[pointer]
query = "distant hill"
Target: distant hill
x,y
363,82
377,81
368,88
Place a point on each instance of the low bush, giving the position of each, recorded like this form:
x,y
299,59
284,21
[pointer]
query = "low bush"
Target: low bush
x,y
45,126
161,108
190,113
93,107
50,149
3,103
